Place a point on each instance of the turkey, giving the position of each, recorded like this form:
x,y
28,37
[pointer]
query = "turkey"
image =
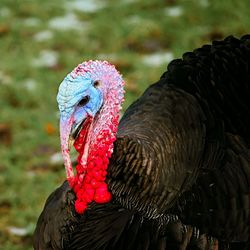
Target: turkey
x,y
175,172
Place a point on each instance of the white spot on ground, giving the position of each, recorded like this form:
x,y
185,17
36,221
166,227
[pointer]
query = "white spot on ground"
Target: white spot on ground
x,y
47,58
30,84
32,21
128,1
204,3
67,22
31,174
5,12
89,6
134,19
158,58
56,158
19,231
174,11
43,35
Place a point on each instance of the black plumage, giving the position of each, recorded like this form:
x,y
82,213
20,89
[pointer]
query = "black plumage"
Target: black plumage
x,y
182,149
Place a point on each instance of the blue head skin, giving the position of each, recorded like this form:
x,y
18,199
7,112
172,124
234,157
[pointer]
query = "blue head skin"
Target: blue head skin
x,y
78,98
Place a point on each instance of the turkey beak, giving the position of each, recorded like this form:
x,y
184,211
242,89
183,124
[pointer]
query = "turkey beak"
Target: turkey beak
x,y
66,142
75,131
70,142
69,131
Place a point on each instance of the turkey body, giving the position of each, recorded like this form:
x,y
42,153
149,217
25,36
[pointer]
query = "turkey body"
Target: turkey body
x,y
182,151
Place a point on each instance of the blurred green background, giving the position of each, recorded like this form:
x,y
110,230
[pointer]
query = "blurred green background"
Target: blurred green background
x,y
41,41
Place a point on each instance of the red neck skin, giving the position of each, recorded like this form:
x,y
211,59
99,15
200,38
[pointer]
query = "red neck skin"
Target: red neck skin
x,y
95,146
95,141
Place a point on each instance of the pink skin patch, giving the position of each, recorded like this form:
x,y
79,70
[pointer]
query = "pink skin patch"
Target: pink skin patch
x,y
96,138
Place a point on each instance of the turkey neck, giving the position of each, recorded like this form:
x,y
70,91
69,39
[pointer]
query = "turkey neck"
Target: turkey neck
x,y
100,137
95,153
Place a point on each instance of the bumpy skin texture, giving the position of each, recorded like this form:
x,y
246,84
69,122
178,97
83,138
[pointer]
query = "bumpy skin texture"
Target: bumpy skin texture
x,y
91,95
182,148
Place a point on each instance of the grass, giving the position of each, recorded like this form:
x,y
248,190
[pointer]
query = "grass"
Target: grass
x,y
36,53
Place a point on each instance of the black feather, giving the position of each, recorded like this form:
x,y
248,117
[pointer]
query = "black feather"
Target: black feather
x,y
183,148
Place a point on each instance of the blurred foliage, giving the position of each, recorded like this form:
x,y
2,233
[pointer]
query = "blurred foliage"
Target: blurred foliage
x,y
41,41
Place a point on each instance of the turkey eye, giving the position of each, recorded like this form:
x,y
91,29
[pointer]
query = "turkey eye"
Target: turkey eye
x,y
97,83
84,101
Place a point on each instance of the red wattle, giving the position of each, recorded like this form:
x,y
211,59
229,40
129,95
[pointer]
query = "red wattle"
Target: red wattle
x,y
102,196
80,206
89,183
71,181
